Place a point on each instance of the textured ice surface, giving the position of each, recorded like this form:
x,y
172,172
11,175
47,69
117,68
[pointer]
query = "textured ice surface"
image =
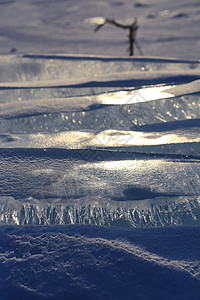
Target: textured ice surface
x,y
104,150
93,140
61,187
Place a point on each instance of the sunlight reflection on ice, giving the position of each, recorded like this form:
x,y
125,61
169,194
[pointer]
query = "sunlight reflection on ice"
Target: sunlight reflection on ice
x,y
113,137
141,95
69,139
106,138
127,165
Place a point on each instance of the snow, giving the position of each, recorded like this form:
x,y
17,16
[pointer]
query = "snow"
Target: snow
x,y
87,262
99,152
168,29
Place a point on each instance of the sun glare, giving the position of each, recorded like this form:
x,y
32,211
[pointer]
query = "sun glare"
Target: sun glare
x,y
141,95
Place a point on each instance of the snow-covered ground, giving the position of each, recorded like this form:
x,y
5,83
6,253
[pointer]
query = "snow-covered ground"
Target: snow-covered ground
x,y
102,148
90,262
166,28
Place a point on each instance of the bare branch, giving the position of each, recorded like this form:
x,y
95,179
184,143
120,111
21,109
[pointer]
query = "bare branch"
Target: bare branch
x,y
132,33
99,27
113,22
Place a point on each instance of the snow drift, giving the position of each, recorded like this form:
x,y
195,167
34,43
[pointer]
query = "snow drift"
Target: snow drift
x,y
86,262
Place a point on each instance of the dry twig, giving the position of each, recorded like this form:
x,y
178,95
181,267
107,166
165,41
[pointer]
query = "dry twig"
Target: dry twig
x,y
133,28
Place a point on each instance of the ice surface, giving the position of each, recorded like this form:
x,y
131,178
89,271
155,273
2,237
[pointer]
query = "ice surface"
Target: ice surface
x,y
100,151
104,151
119,150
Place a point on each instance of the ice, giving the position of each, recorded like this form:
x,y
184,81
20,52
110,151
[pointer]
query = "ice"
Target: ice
x,y
85,186
99,152
112,145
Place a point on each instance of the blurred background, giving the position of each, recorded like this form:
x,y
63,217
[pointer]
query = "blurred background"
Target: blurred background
x,y
166,28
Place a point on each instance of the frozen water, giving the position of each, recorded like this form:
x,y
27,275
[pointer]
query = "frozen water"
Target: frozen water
x,y
118,150
105,149
112,144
